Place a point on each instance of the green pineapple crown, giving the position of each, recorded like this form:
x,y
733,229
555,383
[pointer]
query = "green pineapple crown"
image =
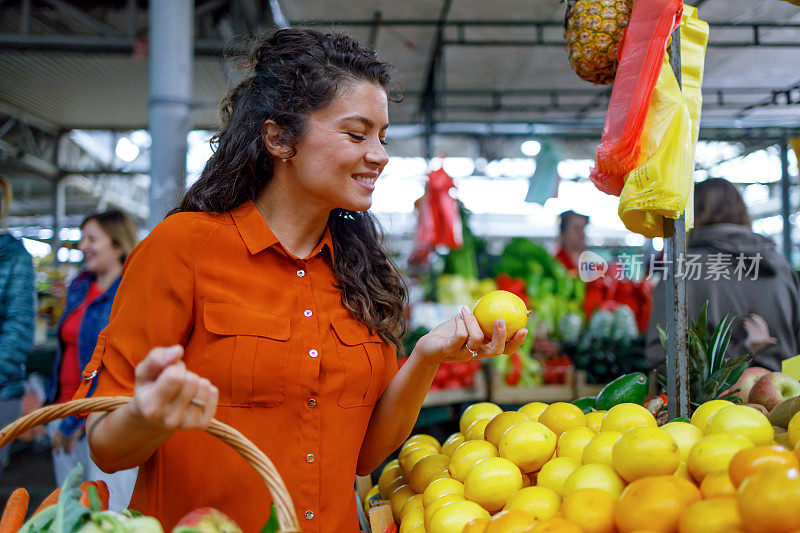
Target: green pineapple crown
x,y
711,375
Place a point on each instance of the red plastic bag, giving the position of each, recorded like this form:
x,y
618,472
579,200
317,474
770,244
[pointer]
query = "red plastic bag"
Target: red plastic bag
x,y
641,53
439,220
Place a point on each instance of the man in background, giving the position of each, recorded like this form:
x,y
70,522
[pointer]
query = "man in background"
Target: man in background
x,y
571,239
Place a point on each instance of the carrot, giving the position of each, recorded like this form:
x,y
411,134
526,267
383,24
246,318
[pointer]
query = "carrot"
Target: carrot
x,y
51,499
84,499
15,511
102,491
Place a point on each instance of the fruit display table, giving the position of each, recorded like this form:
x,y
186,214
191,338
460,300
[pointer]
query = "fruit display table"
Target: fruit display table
x,y
478,392
582,388
501,393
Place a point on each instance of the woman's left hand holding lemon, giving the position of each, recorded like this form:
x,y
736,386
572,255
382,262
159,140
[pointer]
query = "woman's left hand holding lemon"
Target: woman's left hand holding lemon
x,y
461,339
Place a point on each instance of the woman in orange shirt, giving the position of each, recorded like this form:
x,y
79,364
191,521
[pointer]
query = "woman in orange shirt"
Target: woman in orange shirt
x,y
280,310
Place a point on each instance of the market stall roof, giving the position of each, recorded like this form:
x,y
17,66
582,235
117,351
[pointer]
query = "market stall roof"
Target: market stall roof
x,y
82,64
71,65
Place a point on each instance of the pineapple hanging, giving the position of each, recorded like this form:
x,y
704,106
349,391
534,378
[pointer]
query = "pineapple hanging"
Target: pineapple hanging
x,y
592,29
711,374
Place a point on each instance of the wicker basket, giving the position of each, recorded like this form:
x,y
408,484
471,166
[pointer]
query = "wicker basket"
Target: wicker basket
x,y
287,518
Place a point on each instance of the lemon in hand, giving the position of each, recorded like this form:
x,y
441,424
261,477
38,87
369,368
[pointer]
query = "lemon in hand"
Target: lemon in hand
x,y
501,304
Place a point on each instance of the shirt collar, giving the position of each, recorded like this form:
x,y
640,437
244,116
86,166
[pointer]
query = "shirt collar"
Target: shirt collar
x,y
258,236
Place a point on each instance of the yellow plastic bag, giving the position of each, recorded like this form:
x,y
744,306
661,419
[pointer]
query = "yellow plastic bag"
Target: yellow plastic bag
x,y
662,186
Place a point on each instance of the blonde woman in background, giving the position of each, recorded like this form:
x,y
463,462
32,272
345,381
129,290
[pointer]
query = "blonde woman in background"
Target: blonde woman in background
x,y
17,317
106,241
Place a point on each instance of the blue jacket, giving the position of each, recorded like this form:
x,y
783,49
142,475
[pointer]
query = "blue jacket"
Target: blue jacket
x,y
17,315
94,320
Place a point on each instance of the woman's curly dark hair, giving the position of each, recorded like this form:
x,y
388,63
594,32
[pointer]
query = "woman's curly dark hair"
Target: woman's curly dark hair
x,y
295,72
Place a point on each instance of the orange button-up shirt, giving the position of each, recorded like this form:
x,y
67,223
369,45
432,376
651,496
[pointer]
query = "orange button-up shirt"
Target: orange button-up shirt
x,y
297,373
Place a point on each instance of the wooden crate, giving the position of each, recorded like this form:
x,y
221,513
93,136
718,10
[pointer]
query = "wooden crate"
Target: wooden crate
x,y
477,393
585,389
501,393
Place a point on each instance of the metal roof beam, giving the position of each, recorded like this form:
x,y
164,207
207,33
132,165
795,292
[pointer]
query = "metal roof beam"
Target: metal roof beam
x,y
520,23
83,18
774,99
29,161
24,116
710,129
576,91
117,44
429,94
277,15
373,31
101,190
97,44
755,34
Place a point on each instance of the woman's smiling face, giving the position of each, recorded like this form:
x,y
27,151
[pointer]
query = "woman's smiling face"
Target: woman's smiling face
x,y
342,152
100,254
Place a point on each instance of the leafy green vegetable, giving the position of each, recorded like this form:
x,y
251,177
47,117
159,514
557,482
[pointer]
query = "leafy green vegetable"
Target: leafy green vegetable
x,y
40,521
272,525
70,513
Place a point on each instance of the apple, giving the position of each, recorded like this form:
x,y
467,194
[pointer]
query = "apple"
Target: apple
x,y
206,520
747,380
771,389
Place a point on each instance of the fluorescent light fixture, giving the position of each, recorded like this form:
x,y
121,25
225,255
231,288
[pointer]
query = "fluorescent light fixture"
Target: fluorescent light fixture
x,y
126,150
36,248
531,148
658,244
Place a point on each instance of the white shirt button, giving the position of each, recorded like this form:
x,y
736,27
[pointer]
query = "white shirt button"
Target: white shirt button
x,y
307,313
313,353
309,515
310,458
300,274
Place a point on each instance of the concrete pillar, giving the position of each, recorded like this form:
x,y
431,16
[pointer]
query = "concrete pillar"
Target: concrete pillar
x,y
171,53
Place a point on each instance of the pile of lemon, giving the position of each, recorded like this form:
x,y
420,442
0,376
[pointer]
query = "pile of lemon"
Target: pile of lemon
x,y
553,469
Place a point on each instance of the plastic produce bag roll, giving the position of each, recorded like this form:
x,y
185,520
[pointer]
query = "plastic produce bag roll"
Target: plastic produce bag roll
x,y
662,185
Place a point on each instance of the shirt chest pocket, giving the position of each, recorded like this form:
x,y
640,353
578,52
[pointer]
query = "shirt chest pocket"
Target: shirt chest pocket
x,y
361,357
249,358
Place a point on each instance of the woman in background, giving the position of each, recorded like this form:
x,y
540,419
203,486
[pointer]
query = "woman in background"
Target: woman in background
x,y
765,301
106,240
17,317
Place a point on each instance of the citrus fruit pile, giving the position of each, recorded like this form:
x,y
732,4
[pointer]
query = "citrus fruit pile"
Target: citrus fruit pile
x,y
552,468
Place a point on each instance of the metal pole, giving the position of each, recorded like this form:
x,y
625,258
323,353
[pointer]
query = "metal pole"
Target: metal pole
x,y
675,253
171,47
59,213
785,207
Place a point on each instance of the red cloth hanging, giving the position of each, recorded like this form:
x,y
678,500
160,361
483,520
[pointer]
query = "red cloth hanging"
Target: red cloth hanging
x,y
439,221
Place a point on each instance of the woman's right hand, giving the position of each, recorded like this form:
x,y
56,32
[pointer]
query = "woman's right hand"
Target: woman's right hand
x,y
169,396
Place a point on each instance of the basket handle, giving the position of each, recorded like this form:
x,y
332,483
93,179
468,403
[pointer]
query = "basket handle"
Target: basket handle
x,y
287,518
